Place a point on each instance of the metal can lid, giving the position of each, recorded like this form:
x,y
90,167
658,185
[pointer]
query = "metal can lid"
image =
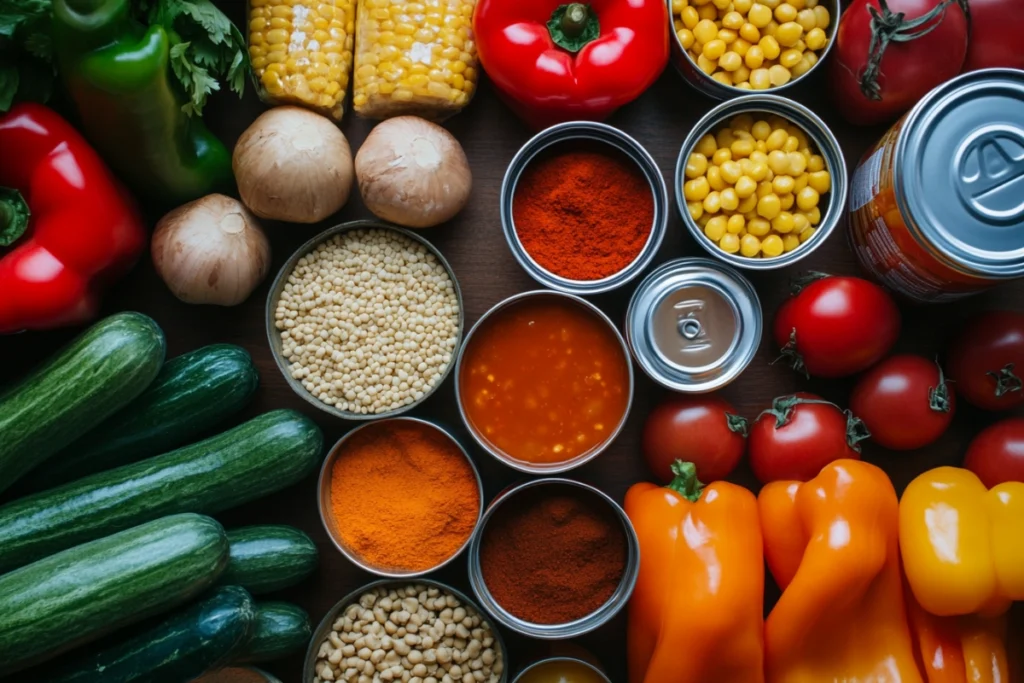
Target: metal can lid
x,y
694,324
959,171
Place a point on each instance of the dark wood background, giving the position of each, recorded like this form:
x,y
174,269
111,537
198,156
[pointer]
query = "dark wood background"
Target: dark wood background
x,y
474,245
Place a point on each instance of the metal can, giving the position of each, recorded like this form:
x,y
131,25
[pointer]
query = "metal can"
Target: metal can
x,y
573,629
595,673
937,206
584,131
694,325
817,132
717,90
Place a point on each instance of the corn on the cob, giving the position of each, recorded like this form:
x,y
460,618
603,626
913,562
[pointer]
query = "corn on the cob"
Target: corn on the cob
x,y
301,52
414,58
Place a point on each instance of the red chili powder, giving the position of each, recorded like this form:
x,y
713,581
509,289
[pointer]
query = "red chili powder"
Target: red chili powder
x,y
583,214
551,557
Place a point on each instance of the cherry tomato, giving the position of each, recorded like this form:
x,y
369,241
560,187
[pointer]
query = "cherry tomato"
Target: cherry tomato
x,y
837,326
997,454
799,435
996,28
904,401
987,358
701,429
924,45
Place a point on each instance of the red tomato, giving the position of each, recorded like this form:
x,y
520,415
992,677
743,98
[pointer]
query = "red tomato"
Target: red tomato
x,y
997,454
916,57
904,401
996,28
837,326
702,429
799,435
986,359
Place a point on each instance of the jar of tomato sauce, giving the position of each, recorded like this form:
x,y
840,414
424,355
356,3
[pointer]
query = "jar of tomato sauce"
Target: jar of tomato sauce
x,y
937,206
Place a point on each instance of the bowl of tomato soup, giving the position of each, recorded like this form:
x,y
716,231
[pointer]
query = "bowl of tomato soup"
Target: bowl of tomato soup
x,y
544,381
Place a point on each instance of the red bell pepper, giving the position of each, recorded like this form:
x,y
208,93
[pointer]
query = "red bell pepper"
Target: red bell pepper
x,y
70,225
554,62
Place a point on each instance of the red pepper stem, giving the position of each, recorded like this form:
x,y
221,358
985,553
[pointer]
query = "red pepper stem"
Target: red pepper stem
x,y
686,483
575,19
14,215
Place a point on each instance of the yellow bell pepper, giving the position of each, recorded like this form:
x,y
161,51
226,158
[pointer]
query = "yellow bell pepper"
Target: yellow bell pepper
x,y
832,546
962,545
960,649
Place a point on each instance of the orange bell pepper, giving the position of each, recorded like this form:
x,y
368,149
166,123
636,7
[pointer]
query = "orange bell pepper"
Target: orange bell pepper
x,y
959,649
697,613
832,546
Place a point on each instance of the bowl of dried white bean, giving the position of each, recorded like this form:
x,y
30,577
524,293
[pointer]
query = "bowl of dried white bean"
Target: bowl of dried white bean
x,y
365,320
395,630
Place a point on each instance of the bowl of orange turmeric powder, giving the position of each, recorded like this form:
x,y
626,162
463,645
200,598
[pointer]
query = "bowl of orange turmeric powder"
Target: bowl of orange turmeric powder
x,y
400,497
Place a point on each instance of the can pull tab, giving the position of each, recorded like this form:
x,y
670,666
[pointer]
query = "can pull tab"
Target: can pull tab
x,y
690,327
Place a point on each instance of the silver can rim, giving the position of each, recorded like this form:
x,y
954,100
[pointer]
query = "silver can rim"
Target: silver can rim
x,y
551,468
633,311
605,134
324,497
281,279
571,629
575,660
828,147
320,634
706,85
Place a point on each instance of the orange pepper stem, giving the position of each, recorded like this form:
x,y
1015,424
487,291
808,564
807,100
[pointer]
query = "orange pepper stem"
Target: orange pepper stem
x,y
686,483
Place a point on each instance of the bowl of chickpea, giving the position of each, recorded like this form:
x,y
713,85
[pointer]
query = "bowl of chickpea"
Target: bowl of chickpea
x,y
761,182
727,48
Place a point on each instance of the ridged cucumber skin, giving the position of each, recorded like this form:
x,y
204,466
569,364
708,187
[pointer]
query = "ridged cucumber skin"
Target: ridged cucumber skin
x,y
269,558
280,629
256,458
191,394
181,648
99,372
80,594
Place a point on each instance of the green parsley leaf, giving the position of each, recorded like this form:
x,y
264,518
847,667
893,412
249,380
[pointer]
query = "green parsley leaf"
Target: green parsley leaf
x,y
206,48
18,14
9,79
26,52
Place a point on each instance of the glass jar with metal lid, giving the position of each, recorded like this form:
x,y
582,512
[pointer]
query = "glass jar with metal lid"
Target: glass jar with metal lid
x,y
937,206
694,325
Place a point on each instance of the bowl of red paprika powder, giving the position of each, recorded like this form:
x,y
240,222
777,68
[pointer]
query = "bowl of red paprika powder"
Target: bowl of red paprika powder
x,y
553,558
584,207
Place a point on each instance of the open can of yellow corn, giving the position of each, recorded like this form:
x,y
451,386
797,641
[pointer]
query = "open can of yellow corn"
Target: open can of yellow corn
x,y
301,52
414,58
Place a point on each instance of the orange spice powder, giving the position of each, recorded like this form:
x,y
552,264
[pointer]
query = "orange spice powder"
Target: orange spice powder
x,y
403,496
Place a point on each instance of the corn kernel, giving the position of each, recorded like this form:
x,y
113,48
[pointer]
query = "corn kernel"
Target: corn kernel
x,y
696,209
778,161
800,182
750,245
816,163
737,224
801,67
734,20
742,6
783,184
745,187
741,149
696,165
790,242
708,11
689,17
768,206
788,33
772,246
740,47
823,17
790,58
707,146
713,202
740,75
758,227
759,15
786,201
754,57
729,243
722,77
686,38
770,47
797,163
760,79
714,176
785,12
722,155
814,215
779,75
705,31
697,189
807,21
806,234
761,130
783,223
706,65
748,206
820,181
750,33
729,199
807,199
759,172
731,171
716,228
714,49
730,61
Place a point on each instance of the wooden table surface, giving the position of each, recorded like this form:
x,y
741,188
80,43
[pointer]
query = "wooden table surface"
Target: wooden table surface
x,y
488,273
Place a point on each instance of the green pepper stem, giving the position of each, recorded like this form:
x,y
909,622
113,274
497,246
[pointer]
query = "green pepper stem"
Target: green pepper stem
x,y
574,21
686,483
14,215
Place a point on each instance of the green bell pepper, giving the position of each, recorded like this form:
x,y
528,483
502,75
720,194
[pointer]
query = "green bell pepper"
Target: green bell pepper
x,y
118,74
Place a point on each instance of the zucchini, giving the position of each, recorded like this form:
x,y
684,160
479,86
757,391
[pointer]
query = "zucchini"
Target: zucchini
x,y
258,457
181,648
192,394
268,558
99,372
280,629
80,594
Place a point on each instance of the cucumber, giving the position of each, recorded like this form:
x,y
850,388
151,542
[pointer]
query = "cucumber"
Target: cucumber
x,y
80,594
268,558
281,628
184,646
192,393
258,457
98,373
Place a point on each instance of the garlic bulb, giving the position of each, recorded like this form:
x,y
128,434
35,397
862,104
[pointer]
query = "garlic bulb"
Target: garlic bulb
x,y
211,251
413,172
293,165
